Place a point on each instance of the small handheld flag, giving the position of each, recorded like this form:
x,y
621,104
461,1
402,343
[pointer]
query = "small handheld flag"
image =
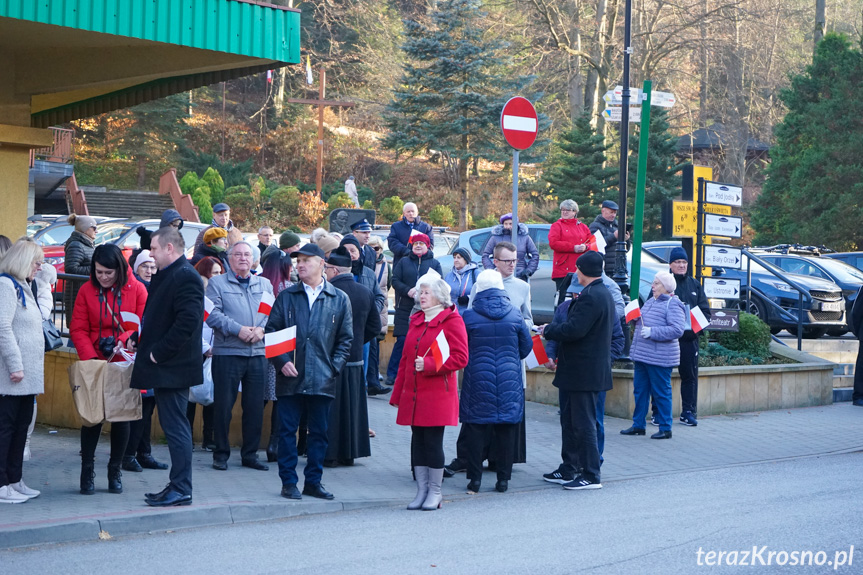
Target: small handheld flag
x,y
600,242
440,350
208,307
537,355
266,305
130,321
699,322
633,312
279,342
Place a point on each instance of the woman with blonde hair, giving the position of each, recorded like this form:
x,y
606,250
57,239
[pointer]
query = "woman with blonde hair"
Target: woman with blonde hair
x,y
22,360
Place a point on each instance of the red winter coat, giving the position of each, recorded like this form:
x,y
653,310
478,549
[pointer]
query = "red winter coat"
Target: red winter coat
x,y
429,398
563,236
84,329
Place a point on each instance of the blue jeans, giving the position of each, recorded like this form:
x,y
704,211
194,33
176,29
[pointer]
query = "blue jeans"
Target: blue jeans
x,y
290,408
395,359
652,380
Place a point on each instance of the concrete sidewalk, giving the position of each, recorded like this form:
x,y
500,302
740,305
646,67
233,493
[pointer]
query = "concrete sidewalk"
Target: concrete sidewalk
x,y
240,494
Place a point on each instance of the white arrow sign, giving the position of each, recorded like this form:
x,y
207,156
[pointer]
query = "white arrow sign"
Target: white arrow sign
x,y
615,114
722,288
662,99
728,195
726,226
719,256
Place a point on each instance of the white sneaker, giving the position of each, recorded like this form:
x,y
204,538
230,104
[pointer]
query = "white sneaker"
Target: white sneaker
x,y
24,490
9,495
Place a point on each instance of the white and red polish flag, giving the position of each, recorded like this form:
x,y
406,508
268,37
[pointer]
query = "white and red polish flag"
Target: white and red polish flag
x,y
130,321
699,322
208,307
537,355
279,342
633,312
440,350
266,305
599,241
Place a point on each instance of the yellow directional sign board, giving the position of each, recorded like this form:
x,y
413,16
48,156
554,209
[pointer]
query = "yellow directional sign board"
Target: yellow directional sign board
x,y
686,217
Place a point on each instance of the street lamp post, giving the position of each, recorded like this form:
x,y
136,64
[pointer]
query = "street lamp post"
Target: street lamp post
x,y
620,275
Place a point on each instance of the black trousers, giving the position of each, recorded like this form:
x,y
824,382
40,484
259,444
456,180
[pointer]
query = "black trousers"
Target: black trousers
x,y
119,441
140,430
16,411
228,372
207,416
477,436
373,368
427,446
172,405
578,433
858,377
688,369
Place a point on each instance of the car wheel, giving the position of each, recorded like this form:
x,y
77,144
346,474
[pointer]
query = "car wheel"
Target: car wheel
x,y
775,330
837,331
809,332
756,308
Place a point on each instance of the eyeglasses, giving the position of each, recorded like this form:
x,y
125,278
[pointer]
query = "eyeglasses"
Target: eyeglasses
x,y
148,266
506,262
566,210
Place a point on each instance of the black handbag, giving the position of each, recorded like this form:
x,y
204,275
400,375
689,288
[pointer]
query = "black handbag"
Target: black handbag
x,y
52,335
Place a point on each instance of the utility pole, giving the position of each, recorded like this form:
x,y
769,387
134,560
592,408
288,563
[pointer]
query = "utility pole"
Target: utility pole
x,y
321,103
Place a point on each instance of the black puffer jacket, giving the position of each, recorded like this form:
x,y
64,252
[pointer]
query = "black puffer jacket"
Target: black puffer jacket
x,y
405,276
78,259
607,230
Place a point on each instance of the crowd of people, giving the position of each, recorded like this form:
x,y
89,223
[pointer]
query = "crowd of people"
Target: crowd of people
x,y
300,326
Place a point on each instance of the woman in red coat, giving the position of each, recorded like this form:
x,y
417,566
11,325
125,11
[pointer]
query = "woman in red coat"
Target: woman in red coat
x,y
568,239
97,330
425,393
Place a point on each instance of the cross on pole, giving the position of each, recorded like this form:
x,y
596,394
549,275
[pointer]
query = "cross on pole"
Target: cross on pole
x,y
321,103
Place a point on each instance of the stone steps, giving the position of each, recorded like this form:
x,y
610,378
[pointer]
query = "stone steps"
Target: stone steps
x,y
131,204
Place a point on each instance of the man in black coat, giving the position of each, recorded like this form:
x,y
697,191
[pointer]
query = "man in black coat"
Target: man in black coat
x,y
348,428
692,295
583,371
856,323
169,356
400,232
606,224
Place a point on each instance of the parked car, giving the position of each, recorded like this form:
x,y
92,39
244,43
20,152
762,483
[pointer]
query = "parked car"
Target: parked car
x,y
848,278
823,304
542,287
38,222
853,259
58,231
444,243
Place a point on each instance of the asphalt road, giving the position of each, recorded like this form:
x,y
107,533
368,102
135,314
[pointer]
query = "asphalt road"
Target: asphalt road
x,y
652,525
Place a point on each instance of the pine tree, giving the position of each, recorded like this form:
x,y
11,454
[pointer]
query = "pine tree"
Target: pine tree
x,y
455,82
815,179
577,168
663,171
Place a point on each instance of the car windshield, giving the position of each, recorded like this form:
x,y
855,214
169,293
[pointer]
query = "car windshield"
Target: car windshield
x,y
842,271
56,236
34,227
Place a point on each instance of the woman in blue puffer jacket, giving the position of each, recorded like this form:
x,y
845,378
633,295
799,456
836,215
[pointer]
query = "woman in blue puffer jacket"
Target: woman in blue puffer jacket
x,y
492,394
461,278
655,351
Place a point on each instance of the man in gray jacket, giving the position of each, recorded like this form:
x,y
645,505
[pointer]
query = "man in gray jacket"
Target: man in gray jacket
x,y
238,354
306,375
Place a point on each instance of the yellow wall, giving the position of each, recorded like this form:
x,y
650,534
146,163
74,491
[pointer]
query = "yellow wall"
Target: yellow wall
x,y
15,144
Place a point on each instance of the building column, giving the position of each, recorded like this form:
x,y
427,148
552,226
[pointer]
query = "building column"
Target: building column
x,y
15,145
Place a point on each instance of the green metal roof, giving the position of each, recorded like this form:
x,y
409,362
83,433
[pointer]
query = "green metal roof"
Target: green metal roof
x,y
242,27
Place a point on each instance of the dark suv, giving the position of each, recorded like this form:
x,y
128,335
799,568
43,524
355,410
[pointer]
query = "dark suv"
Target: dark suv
x,y
823,304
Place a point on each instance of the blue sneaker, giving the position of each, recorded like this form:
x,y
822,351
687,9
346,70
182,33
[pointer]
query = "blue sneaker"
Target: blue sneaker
x,y
687,418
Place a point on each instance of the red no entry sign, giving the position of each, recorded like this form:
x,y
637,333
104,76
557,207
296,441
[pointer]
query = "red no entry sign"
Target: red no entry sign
x,y
519,123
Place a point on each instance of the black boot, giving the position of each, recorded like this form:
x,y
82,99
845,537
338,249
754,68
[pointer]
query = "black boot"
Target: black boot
x,y
87,475
115,485
273,449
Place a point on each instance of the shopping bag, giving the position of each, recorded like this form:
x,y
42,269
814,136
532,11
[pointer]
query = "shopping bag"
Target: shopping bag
x,y
203,393
122,403
85,379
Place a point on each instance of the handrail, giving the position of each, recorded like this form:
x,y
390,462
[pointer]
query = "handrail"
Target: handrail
x,y
169,186
801,291
79,201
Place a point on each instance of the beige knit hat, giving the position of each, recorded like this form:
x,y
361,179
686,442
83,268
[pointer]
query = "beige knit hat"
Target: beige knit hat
x,y
81,223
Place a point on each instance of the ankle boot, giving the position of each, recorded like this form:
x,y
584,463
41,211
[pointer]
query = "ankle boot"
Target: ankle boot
x,y
273,448
115,485
422,475
434,499
87,476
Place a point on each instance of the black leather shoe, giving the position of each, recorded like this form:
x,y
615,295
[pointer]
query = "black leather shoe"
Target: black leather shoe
x,y
633,431
379,390
317,491
220,465
502,485
171,499
148,462
447,472
255,464
473,486
661,435
290,491
131,464
160,495
331,463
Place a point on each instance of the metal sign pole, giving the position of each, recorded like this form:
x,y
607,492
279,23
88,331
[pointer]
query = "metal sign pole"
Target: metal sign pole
x,y
699,241
515,199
